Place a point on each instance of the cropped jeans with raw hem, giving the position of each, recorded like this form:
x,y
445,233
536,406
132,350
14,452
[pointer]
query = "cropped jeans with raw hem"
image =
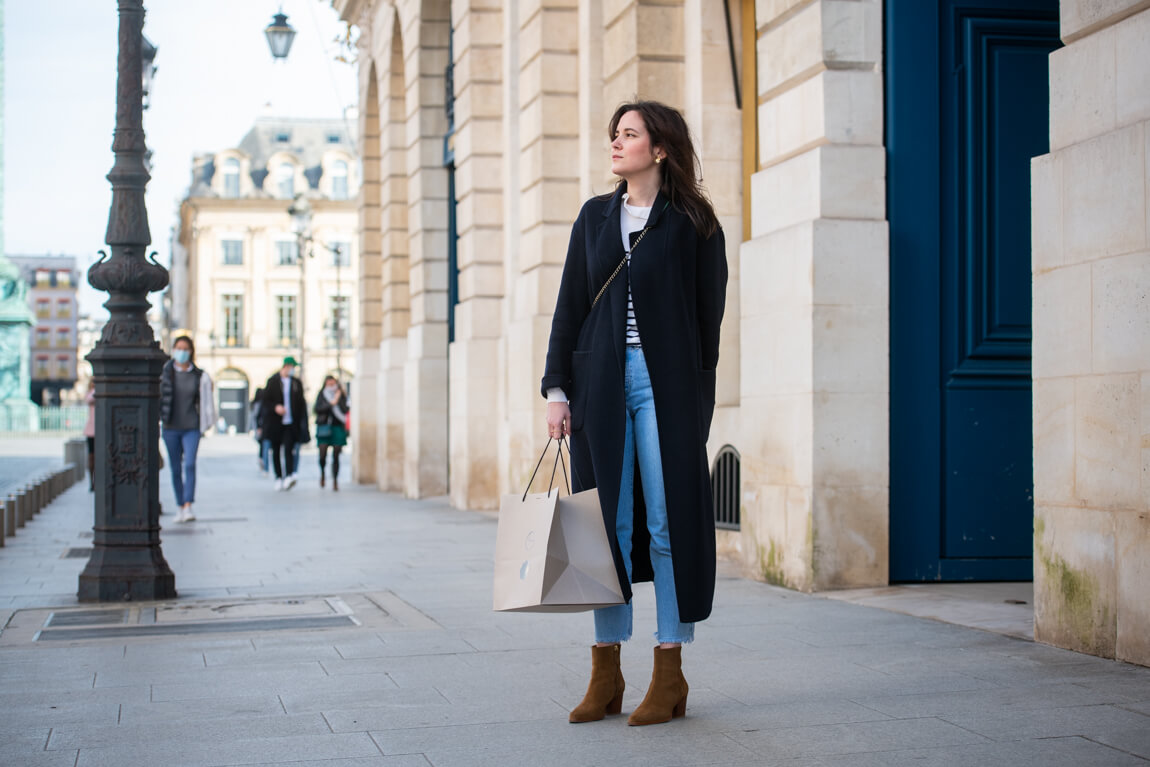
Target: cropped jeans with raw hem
x,y
183,444
614,624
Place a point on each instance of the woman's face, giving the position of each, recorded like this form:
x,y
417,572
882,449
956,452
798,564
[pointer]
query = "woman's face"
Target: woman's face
x,y
631,150
183,346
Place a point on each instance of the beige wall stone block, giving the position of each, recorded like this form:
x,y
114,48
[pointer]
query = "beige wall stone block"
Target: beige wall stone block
x,y
1075,599
480,65
851,263
429,307
852,181
477,28
479,209
1062,312
479,172
777,352
552,201
1108,440
1121,327
479,318
481,246
478,100
544,244
474,476
850,351
1054,451
854,107
851,440
768,532
775,271
1105,196
547,158
1145,428
425,427
620,42
1081,17
660,30
549,115
717,138
792,49
1132,534
536,292
769,11
394,268
781,437
1083,97
364,417
1133,69
553,29
792,120
785,194
850,537
481,280
1046,188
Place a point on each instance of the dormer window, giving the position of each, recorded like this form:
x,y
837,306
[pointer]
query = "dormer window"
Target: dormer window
x,y
283,138
231,169
339,180
333,138
285,180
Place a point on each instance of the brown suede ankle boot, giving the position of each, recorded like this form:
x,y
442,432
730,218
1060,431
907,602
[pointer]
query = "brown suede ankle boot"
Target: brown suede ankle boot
x,y
666,698
605,691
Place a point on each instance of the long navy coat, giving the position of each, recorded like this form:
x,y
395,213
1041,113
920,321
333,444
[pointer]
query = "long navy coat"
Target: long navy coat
x,y
678,287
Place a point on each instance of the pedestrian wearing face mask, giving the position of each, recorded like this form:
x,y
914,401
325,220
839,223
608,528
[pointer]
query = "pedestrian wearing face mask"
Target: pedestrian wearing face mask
x,y
187,410
284,415
331,414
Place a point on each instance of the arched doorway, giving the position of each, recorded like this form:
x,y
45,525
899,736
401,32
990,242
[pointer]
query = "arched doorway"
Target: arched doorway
x,y
232,391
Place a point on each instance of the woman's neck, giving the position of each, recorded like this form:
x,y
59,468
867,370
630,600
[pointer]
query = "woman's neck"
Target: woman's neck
x,y
643,187
183,367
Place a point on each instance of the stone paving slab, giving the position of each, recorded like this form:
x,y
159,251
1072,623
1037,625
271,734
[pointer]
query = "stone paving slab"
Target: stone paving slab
x,y
427,675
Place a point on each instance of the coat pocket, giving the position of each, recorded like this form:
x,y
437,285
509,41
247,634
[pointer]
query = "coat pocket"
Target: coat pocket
x,y
706,401
580,362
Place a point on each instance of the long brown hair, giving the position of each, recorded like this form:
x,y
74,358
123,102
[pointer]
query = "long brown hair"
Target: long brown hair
x,y
680,174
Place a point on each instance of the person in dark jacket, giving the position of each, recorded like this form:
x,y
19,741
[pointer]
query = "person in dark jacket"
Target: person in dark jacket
x,y
187,410
630,379
331,414
284,418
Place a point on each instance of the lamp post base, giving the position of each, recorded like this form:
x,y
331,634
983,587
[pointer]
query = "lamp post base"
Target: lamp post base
x,y
137,574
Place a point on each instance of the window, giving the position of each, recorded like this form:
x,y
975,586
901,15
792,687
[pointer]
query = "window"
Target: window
x,y
43,278
283,138
285,320
64,307
63,278
339,322
63,367
233,252
43,307
339,180
233,306
43,337
287,252
340,253
42,366
63,337
333,138
285,180
231,177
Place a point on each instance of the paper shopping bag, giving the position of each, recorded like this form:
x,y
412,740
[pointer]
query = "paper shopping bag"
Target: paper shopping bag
x,y
552,554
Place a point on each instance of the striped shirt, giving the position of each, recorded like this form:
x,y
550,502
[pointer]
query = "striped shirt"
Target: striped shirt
x,y
632,219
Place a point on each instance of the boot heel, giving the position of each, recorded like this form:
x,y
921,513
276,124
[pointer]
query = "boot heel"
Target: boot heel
x,y
616,704
680,708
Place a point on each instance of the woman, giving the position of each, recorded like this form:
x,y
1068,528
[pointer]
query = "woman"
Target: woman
x,y
331,412
630,379
187,410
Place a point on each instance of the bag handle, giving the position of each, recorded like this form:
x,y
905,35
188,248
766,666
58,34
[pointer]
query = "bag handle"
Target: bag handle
x,y
558,461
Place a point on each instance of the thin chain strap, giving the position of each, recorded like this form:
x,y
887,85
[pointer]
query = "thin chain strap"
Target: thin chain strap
x,y
619,268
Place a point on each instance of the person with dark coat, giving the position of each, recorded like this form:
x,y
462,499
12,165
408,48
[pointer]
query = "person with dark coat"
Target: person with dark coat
x,y
331,414
284,417
630,379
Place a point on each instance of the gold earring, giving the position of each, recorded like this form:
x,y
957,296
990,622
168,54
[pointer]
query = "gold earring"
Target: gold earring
x,y
658,160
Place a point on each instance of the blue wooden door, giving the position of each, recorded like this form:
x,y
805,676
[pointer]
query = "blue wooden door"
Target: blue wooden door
x,y
967,105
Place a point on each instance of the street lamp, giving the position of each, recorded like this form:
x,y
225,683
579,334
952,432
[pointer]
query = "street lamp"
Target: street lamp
x,y
148,57
127,563
301,213
280,35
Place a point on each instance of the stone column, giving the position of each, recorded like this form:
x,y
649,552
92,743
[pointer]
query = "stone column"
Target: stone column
x,y
548,200
473,357
1091,366
814,297
425,371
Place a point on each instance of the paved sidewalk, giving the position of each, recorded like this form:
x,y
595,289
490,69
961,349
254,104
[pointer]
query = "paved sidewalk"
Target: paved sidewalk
x,y
355,630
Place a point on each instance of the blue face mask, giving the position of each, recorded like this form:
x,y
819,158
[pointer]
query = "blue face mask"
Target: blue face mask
x,y
181,356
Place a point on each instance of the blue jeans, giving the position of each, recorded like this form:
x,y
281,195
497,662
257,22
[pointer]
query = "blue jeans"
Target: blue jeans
x,y
614,624
183,444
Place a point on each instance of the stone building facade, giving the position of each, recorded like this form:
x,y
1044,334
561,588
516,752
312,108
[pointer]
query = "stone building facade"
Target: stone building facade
x,y
52,283
245,286
870,161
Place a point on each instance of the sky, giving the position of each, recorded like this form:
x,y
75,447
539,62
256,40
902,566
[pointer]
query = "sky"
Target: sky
x,y
215,76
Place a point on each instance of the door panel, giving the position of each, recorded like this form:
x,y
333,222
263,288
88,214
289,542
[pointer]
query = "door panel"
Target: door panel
x,y
967,105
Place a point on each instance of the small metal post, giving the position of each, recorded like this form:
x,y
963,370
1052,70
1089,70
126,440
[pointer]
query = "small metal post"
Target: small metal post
x,y
21,507
10,516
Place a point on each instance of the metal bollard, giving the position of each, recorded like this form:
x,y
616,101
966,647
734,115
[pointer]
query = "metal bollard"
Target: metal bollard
x,y
21,507
10,516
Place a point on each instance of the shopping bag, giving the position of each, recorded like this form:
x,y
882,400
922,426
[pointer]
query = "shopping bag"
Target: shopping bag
x,y
552,553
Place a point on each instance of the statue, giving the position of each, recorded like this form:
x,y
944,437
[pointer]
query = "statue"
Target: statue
x,y
17,412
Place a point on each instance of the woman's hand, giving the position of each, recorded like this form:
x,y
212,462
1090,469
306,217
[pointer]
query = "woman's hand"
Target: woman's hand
x,y
558,420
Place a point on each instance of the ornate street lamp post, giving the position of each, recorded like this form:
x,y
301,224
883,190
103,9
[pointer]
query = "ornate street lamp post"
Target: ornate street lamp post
x,y
127,562
301,214
280,35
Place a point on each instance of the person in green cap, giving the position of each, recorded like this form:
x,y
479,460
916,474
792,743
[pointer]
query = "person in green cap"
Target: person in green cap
x,y
284,421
